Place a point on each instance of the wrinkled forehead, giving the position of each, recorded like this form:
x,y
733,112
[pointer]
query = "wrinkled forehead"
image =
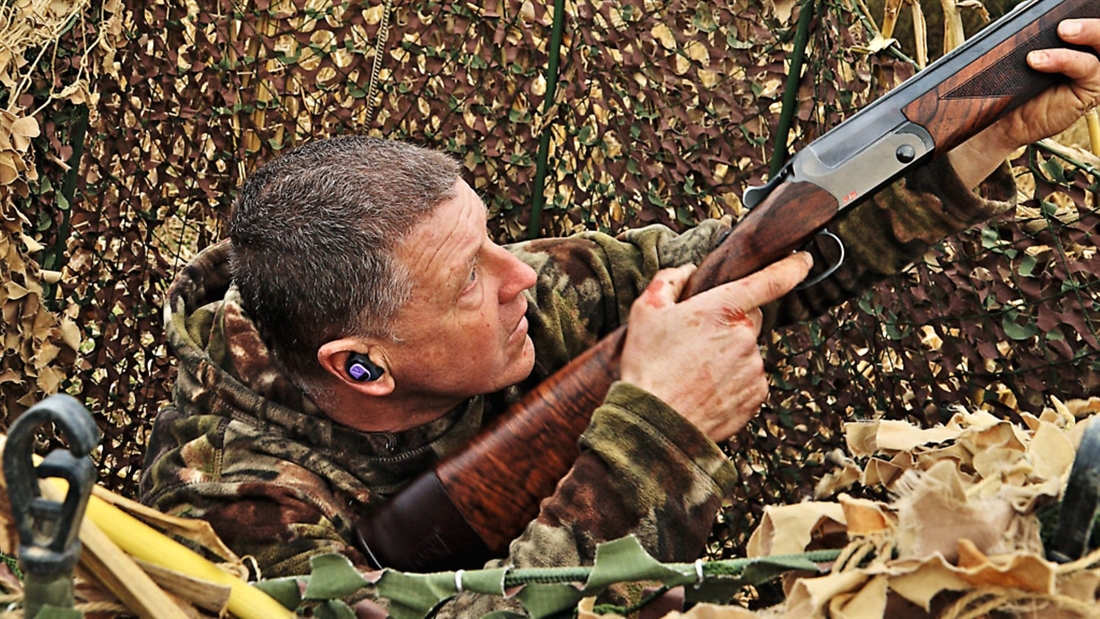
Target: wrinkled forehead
x,y
447,240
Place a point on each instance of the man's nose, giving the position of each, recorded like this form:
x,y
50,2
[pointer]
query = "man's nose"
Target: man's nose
x,y
516,278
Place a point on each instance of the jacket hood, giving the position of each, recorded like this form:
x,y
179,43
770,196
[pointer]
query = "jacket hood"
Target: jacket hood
x,y
224,365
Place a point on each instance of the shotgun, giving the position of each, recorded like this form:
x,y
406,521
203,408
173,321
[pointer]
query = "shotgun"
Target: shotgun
x,y
475,501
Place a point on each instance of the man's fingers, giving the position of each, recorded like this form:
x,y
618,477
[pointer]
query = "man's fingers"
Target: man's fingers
x,y
1081,32
1082,93
769,283
739,297
1077,65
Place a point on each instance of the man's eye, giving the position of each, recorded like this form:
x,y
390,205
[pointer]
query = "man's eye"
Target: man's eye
x,y
472,280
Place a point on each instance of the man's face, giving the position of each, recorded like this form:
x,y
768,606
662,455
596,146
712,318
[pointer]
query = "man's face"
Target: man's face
x,y
463,331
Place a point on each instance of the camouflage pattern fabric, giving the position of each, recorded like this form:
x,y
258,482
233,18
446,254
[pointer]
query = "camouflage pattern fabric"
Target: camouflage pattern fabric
x,y
243,448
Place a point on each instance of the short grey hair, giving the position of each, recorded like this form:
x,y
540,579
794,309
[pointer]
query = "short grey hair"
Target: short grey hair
x,y
314,235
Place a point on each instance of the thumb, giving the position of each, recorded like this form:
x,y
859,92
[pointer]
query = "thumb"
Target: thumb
x,y
665,288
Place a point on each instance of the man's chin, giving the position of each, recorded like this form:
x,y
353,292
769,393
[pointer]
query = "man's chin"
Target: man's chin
x,y
525,364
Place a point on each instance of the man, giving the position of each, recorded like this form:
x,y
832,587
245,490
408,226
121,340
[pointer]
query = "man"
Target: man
x,y
359,325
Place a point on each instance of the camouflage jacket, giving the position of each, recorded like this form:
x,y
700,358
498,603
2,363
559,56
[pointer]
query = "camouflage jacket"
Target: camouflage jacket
x,y
243,448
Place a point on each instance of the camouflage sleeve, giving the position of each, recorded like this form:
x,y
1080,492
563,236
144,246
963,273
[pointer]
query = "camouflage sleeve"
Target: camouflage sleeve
x,y
643,471
587,282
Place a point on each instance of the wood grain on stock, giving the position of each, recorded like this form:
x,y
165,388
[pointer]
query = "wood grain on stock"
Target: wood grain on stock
x,y
499,480
790,215
994,85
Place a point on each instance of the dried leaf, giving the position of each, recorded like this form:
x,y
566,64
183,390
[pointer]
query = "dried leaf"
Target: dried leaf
x,y
70,334
32,245
863,517
206,595
1025,572
869,601
22,130
789,529
810,596
10,165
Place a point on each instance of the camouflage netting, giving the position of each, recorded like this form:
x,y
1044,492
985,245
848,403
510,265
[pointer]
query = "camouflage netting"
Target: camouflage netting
x,y
129,125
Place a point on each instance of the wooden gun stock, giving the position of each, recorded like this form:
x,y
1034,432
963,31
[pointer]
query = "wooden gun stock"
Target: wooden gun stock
x,y
476,501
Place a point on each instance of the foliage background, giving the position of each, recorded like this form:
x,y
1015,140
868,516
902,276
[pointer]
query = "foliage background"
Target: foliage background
x,y
129,125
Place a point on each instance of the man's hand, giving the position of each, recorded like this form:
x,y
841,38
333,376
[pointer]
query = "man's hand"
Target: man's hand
x,y
1048,114
701,356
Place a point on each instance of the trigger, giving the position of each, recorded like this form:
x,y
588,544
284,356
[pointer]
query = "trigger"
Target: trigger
x,y
829,271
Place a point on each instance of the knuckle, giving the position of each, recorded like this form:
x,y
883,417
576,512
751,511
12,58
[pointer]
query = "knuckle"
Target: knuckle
x,y
757,318
752,362
761,389
777,288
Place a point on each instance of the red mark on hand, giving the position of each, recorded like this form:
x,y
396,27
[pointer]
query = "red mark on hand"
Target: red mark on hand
x,y
733,316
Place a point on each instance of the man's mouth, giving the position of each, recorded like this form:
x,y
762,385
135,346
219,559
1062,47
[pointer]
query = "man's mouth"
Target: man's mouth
x,y
520,330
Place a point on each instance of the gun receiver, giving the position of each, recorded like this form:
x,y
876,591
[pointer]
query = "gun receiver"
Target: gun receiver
x,y
481,497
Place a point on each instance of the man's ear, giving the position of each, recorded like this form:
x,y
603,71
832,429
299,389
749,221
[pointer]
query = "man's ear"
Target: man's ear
x,y
375,381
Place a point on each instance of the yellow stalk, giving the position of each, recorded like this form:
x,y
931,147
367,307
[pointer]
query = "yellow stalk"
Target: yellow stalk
x,y
117,570
141,541
953,33
920,34
1093,120
890,17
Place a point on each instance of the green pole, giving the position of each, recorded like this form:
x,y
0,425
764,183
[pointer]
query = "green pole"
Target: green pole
x,y
537,198
790,93
54,258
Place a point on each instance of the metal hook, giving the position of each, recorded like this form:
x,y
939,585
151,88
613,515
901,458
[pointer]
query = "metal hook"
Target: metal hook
x,y
49,543
832,269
